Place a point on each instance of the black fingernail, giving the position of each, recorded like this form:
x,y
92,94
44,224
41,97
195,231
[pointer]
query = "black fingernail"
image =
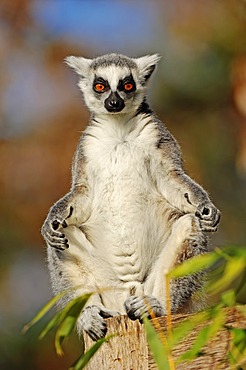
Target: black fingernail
x,y
217,221
197,214
60,248
132,316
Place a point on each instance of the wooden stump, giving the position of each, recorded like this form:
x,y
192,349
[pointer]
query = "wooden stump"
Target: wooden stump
x,y
128,350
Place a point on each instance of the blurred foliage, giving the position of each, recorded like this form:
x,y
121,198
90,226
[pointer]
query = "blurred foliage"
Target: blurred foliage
x,y
199,91
208,323
162,344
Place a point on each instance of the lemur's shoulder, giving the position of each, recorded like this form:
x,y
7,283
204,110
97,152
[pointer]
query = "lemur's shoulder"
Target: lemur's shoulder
x,y
165,142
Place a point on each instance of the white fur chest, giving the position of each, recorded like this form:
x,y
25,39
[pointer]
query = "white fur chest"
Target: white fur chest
x,y
112,145
117,156
124,200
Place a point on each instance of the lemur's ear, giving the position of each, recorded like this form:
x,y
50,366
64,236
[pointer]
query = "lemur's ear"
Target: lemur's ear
x,y
147,65
79,64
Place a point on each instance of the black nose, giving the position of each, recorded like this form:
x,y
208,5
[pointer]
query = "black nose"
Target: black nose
x,y
114,103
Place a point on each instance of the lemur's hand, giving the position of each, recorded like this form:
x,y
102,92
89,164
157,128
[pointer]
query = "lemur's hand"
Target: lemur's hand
x,y
209,216
50,230
52,236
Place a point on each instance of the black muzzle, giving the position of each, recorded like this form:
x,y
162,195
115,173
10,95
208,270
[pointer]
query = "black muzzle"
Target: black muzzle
x,y
114,103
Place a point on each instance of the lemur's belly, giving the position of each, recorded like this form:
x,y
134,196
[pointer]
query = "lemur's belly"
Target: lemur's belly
x,y
128,223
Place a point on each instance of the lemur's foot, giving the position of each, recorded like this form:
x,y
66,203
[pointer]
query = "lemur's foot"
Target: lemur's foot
x,y
140,307
93,323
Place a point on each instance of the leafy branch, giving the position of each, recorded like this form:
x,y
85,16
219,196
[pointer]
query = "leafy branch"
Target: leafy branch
x,y
224,265
207,323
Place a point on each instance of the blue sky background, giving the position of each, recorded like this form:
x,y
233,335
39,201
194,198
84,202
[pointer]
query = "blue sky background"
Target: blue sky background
x,y
106,25
92,28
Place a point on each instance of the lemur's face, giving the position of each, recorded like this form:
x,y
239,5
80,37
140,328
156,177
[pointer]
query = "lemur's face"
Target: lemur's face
x,y
113,84
112,90
115,88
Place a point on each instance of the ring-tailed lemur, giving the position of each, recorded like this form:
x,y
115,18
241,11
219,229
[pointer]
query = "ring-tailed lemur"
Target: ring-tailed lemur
x,y
132,212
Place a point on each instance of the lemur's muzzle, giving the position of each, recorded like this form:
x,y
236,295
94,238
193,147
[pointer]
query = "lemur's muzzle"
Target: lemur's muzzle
x,y
114,103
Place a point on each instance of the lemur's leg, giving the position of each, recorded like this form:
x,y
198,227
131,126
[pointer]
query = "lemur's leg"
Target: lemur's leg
x,y
76,267
186,240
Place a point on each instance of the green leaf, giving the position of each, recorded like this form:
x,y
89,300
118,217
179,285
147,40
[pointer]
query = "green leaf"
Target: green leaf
x,y
205,334
43,311
159,351
194,265
64,330
60,316
242,284
228,298
235,251
85,358
237,353
69,317
181,330
242,309
55,321
233,269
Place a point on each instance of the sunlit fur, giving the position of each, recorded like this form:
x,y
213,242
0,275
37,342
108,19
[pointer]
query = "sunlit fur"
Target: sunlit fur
x,y
132,212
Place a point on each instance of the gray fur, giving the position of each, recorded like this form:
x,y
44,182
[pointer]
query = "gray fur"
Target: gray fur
x,y
117,59
132,212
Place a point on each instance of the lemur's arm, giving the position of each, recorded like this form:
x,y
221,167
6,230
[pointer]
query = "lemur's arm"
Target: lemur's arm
x,y
177,187
72,209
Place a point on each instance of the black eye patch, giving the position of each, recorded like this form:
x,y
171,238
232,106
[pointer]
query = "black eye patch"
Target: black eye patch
x,y
100,82
127,84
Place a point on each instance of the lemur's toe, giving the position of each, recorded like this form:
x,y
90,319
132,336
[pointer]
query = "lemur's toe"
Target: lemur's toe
x,y
140,307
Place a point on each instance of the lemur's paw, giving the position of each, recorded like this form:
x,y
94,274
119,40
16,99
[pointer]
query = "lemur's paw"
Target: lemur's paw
x,y
140,307
53,236
93,323
209,216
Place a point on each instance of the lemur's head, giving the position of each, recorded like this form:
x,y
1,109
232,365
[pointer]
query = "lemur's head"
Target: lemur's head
x,y
113,83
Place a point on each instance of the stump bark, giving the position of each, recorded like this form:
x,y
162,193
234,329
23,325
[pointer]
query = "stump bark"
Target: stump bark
x,y
128,350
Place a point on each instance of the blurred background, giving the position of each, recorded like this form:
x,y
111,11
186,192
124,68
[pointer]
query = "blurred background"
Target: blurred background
x,y
199,91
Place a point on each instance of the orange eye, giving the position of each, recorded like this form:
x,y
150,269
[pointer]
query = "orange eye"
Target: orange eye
x,y
99,87
128,87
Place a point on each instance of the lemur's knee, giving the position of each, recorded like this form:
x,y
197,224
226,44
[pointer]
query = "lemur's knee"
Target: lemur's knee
x,y
189,236
185,227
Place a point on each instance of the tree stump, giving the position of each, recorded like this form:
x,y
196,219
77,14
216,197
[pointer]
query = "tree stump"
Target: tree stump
x,y
128,350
